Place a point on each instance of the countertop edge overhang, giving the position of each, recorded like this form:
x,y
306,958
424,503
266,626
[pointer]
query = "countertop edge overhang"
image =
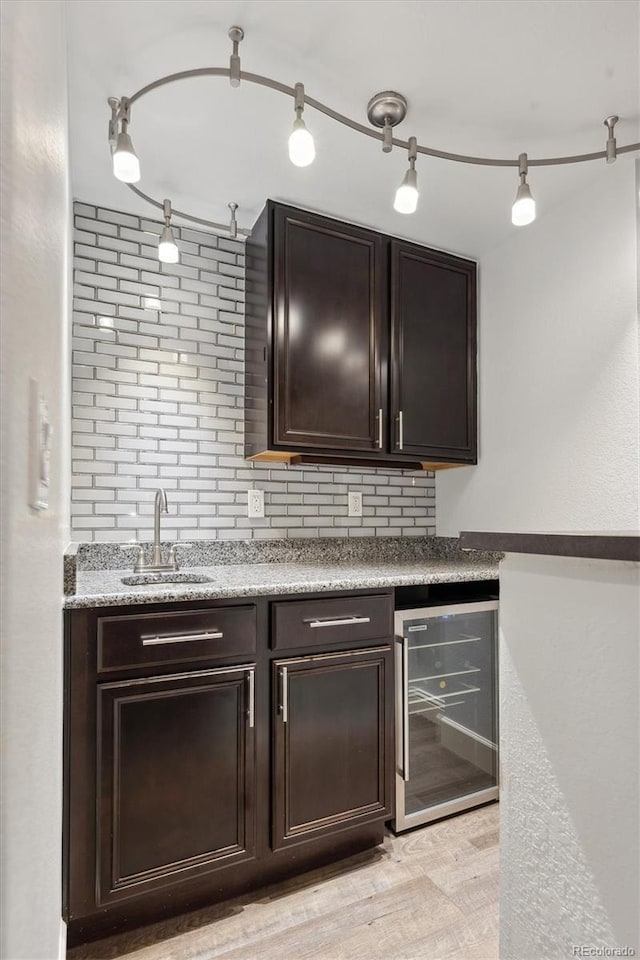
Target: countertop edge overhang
x,y
605,545
104,588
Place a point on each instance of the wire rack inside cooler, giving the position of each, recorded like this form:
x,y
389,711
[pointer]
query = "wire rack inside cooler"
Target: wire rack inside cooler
x,y
440,689
426,693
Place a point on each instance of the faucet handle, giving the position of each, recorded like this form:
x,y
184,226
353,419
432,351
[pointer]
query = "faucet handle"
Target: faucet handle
x,y
172,559
139,565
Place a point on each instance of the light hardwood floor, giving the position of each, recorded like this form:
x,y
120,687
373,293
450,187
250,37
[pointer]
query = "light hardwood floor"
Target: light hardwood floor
x,y
426,895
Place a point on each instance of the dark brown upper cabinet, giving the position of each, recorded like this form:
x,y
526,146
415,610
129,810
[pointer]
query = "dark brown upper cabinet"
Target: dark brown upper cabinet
x,y
433,354
359,348
321,344
327,316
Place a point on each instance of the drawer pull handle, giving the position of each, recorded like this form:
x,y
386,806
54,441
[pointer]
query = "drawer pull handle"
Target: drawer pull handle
x,y
343,622
153,641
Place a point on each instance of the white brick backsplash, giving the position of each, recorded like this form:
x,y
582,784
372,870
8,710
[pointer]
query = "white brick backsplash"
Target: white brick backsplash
x,y
116,270
158,400
111,216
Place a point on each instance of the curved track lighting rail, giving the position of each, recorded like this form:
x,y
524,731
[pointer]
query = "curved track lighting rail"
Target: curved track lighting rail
x,y
361,128
186,216
120,110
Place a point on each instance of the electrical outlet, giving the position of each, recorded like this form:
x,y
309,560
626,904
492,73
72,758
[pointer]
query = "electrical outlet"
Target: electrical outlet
x,y
355,504
256,503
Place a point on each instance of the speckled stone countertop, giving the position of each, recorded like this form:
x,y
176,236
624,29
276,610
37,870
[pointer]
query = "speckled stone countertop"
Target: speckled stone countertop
x,y
360,569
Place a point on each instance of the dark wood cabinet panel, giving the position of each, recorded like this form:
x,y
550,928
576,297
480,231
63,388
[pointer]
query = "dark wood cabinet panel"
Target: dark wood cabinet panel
x,y
175,779
169,770
359,348
154,639
333,742
328,319
433,354
349,620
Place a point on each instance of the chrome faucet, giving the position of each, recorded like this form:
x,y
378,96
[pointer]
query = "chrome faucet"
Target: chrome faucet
x,y
157,565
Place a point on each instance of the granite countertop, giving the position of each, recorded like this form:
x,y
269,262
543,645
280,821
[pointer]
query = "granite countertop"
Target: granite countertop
x,y
97,588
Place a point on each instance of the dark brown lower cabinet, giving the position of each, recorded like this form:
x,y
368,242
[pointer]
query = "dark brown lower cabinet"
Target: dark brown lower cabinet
x,y
191,778
333,742
175,774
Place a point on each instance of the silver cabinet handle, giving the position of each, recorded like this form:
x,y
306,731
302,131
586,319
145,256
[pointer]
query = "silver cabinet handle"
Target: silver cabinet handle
x,y
403,703
186,638
343,622
405,722
380,441
400,430
284,704
252,698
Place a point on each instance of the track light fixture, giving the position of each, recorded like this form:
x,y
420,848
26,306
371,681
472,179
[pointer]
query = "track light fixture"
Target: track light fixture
x,y
611,147
236,34
167,247
233,223
523,210
114,104
126,166
385,111
407,194
302,150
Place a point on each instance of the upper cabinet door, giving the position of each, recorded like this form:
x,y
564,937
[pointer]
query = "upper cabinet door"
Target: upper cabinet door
x,y
328,298
433,354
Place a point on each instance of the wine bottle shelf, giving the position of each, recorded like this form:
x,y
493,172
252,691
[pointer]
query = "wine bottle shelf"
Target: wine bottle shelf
x,y
443,643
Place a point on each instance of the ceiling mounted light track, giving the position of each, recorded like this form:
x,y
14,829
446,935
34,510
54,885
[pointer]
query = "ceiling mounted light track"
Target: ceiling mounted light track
x,y
387,110
611,148
384,111
233,223
236,34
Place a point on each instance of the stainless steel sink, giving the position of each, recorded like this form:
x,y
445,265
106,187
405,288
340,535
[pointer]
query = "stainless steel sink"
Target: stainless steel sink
x,y
146,579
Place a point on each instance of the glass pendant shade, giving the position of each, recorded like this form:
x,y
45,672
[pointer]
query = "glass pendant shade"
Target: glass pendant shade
x,y
407,194
302,149
523,210
126,166
168,248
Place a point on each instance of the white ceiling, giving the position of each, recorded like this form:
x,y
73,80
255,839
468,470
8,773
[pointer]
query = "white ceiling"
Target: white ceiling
x,y
486,77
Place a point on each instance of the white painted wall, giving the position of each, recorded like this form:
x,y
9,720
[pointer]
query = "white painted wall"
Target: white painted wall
x,y
35,243
558,365
569,721
559,451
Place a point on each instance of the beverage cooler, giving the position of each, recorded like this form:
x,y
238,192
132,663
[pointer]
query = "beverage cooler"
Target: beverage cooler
x,y
446,710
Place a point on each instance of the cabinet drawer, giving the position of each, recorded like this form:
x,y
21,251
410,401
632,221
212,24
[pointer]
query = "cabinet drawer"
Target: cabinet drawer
x,y
156,638
310,623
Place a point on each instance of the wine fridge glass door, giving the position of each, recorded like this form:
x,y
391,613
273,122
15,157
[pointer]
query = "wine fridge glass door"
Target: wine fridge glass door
x,y
447,722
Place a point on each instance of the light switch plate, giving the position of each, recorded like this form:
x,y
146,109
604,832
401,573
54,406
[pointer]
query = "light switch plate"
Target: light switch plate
x,y
256,503
40,452
355,503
